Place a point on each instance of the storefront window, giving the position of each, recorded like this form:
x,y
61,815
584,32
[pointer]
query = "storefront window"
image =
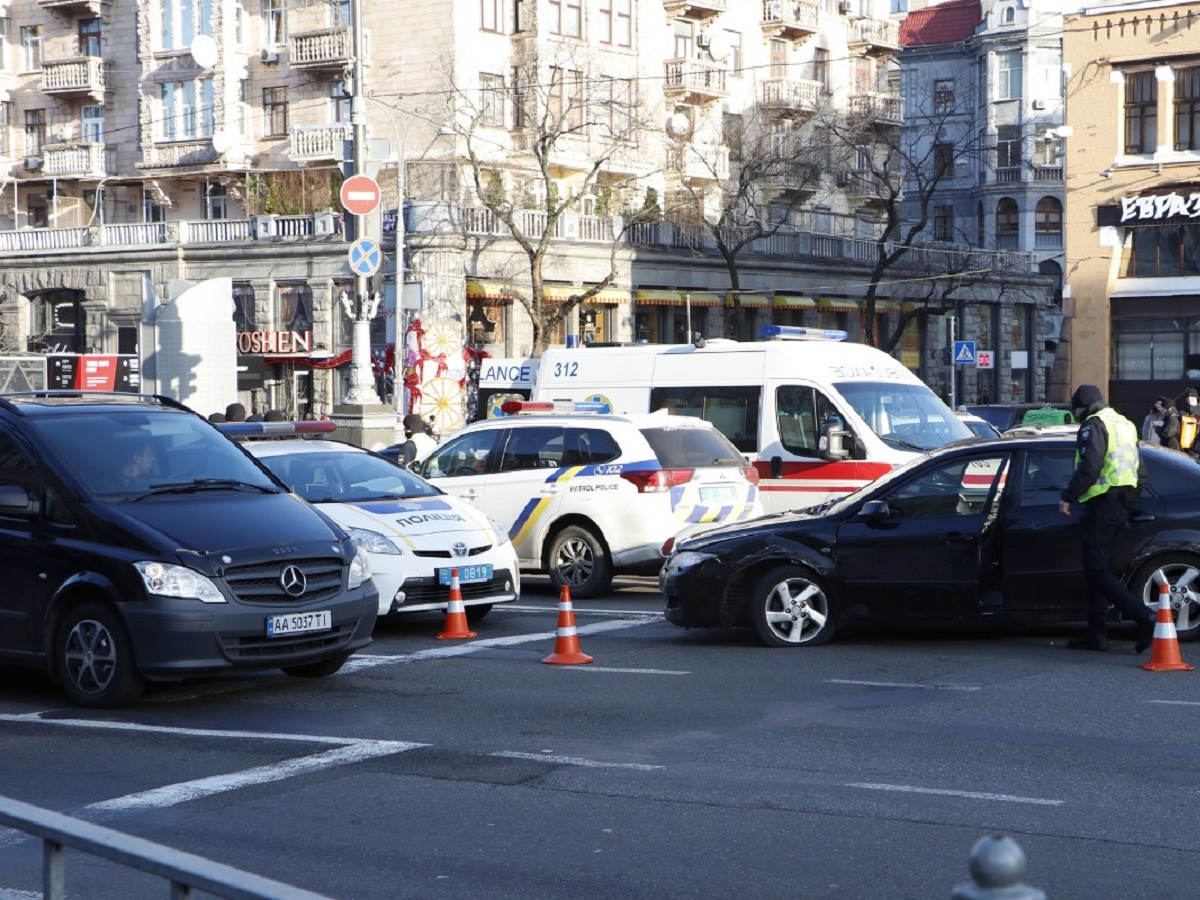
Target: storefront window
x,y
295,307
1162,251
243,306
1154,349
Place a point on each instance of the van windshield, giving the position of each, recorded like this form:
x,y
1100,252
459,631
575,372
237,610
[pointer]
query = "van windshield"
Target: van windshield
x,y
905,416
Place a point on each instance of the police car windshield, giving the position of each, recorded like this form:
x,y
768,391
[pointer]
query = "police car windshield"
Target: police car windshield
x,y
333,476
905,416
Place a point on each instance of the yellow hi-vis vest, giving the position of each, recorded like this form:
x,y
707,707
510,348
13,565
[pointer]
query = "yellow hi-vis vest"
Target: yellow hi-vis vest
x,y
1121,460
1187,431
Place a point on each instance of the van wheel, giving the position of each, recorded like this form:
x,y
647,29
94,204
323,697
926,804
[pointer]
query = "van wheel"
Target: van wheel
x,y
789,608
322,669
94,658
580,561
1181,572
477,612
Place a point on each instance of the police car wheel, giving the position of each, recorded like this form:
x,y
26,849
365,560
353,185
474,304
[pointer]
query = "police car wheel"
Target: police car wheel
x,y
579,560
1181,572
94,658
790,608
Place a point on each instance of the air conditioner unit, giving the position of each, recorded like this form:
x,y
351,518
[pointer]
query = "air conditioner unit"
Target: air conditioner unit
x,y
703,39
268,57
1039,104
845,7
33,163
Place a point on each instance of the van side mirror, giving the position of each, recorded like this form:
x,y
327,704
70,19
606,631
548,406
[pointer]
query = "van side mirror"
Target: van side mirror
x,y
833,440
776,467
874,511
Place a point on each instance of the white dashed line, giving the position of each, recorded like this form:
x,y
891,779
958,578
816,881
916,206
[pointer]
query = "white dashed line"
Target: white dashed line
x,y
970,795
1176,702
590,668
573,761
901,684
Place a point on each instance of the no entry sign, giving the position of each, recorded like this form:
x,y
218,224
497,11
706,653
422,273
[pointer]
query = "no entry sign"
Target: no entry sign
x,y
360,195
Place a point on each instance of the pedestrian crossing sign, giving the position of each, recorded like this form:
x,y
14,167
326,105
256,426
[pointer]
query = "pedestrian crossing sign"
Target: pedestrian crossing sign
x,y
964,353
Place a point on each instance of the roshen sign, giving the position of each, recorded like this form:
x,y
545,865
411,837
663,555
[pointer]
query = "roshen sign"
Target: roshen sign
x,y
274,342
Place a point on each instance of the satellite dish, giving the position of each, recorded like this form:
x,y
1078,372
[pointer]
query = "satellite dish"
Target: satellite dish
x,y
204,51
222,142
720,46
678,125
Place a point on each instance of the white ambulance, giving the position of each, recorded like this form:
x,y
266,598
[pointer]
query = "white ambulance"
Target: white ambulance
x,y
817,416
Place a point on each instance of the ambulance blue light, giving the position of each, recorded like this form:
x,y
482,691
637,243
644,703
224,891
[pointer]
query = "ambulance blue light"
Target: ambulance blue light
x,y
796,333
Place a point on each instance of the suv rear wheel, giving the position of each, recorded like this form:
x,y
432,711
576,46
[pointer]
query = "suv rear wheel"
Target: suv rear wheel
x,y
579,560
94,658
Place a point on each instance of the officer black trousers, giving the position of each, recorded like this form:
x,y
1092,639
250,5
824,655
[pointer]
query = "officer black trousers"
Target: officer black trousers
x,y
1103,518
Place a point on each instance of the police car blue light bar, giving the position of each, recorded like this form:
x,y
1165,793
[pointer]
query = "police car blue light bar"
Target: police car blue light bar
x,y
796,333
275,429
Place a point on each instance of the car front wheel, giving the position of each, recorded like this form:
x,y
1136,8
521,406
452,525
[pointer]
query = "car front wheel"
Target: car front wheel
x,y
1181,574
94,658
790,608
580,561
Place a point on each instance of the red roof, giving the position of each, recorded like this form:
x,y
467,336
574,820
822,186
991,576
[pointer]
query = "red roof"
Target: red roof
x,y
945,23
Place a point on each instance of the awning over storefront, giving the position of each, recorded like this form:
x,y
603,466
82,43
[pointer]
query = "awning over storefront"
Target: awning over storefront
x,y
886,306
700,298
793,301
749,300
647,297
608,296
495,291
837,304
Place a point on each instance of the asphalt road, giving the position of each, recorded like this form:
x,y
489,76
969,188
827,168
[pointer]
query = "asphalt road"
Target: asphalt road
x,y
680,764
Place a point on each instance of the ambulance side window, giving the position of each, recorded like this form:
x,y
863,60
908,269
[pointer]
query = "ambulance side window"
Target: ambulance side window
x,y
732,409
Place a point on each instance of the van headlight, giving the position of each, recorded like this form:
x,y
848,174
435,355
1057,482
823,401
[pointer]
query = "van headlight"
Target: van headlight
x,y
499,532
166,580
373,541
360,568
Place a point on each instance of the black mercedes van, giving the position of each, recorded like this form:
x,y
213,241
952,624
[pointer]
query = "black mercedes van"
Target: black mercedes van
x,y
138,543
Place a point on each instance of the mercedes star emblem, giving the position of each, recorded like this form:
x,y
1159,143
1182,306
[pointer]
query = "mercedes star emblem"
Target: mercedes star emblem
x,y
292,580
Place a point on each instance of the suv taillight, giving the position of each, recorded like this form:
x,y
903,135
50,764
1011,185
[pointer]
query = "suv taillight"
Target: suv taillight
x,y
657,481
751,474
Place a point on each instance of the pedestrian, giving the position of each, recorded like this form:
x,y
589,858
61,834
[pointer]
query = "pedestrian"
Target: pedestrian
x,y
216,418
235,412
1152,425
1105,481
273,415
419,442
1188,405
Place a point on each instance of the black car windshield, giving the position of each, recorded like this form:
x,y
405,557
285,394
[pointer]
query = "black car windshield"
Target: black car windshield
x,y
678,447
118,454
905,416
346,476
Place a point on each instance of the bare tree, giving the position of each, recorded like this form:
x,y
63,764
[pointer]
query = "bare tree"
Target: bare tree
x,y
570,128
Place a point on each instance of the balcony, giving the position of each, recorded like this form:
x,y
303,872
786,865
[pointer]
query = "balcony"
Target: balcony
x,y
179,154
79,76
789,96
1047,173
793,178
791,20
329,48
699,163
878,109
76,7
696,10
318,143
875,37
694,81
90,160
1008,174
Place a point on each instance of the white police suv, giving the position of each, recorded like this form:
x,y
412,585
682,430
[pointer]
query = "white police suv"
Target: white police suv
x,y
586,495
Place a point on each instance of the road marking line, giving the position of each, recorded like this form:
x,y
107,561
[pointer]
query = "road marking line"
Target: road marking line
x,y
357,663
573,761
1176,702
189,732
629,671
591,612
900,684
970,795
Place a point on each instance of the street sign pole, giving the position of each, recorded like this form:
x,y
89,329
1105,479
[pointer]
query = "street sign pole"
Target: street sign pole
x,y
953,367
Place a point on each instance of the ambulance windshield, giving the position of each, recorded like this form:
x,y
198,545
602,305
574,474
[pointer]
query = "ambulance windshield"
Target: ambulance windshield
x,y
905,416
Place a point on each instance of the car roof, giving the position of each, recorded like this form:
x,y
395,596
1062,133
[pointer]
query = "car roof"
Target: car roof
x,y
637,420
37,403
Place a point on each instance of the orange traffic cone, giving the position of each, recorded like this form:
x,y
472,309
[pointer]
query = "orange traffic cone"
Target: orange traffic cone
x,y
566,638
1164,651
455,624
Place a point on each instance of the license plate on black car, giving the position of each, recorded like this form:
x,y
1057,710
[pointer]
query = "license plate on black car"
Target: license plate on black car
x,y
299,623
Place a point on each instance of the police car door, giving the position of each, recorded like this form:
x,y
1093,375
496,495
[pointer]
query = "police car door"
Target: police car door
x,y
460,466
523,493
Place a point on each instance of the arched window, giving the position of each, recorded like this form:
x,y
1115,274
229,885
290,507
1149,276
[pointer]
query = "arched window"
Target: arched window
x,y
1048,224
1008,224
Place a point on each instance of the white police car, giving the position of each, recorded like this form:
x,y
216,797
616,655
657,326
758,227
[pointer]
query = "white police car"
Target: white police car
x,y
413,533
586,495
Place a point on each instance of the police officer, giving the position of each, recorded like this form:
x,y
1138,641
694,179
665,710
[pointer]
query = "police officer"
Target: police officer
x,y
1105,481
419,443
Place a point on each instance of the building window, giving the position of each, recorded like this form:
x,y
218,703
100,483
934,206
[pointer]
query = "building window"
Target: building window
x,y
943,160
1008,153
615,22
1008,225
89,37
35,131
1048,224
274,16
243,306
735,51
864,76
821,68
294,312
339,103
275,111
5,27
1141,112
31,48
1187,109
943,96
615,100
943,223
1152,349
1008,75
491,100
216,201
685,39
565,99
153,204
339,12
5,121
92,131
1162,251
489,15
779,58
566,18
182,20
187,109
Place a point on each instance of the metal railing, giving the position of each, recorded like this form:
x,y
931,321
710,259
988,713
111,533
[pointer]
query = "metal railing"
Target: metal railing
x,y
184,872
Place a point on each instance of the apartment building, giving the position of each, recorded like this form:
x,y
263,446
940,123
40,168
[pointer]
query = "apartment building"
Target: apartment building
x,y
1133,199
983,85
156,143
